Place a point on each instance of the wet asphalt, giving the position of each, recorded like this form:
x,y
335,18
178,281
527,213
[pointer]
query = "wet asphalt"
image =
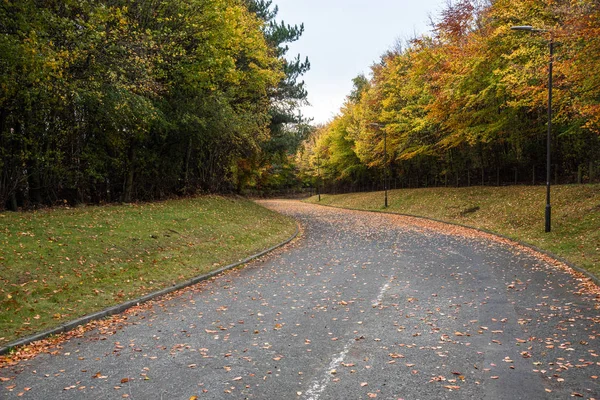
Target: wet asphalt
x,y
362,306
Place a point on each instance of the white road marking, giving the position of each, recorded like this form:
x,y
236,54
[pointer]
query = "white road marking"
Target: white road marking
x,y
318,385
381,294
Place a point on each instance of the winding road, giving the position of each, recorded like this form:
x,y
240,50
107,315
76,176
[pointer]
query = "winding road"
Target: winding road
x,y
362,305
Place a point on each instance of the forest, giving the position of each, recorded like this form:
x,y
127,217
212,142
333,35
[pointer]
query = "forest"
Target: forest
x,y
467,104
126,100
137,100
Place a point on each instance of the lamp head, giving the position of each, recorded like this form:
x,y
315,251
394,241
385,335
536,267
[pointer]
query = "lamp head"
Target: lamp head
x,y
528,28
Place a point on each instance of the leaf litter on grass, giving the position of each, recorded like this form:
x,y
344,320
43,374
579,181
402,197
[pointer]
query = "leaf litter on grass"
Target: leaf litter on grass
x,y
59,264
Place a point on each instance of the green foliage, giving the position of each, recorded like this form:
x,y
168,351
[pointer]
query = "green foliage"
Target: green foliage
x,y
273,167
122,100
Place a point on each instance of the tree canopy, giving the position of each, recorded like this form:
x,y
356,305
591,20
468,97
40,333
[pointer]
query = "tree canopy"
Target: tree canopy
x,y
118,100
467,103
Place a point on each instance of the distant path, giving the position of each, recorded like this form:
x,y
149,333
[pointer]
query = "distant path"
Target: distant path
x,y
363,306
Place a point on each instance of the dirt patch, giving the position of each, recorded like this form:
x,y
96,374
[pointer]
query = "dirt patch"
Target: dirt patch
x,y
469,211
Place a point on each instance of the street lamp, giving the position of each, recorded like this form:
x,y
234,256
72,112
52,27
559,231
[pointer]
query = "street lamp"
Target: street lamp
x,y
529,28
318,175
381,126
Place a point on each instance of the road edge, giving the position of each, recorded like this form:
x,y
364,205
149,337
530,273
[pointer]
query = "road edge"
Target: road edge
x,y
562,260
119,308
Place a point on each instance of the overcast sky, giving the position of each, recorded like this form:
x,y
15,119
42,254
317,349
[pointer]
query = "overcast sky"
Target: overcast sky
x,y
343,38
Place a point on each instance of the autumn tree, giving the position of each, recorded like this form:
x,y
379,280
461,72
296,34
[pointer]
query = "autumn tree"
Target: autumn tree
x,y
467,104
122,100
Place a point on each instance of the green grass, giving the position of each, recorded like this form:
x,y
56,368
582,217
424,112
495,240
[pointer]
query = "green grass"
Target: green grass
x,y
59,264
515,211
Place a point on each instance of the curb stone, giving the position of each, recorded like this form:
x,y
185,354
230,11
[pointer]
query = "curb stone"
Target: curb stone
x,y
569,264
119,308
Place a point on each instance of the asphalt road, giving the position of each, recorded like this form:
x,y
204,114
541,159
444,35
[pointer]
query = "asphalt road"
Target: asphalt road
x,y
362,306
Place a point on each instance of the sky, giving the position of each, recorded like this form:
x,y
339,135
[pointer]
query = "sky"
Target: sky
x,y
343,38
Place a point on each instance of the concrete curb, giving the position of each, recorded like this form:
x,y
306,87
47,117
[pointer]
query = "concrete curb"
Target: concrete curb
x,y
119,308
569,264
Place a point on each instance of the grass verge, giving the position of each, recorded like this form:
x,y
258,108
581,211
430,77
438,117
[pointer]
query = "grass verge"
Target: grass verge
x,y
516,212
60,264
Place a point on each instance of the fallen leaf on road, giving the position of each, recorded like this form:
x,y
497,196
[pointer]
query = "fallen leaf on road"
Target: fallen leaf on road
x,y
452,387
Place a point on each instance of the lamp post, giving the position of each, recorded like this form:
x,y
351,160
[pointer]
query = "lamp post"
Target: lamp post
x,y
529,28
385,167
318,176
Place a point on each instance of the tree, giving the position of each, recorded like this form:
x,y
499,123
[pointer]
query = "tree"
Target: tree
x,y
122,100
287,126
472,98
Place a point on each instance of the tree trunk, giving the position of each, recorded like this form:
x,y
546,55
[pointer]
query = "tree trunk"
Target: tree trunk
x,y
128,190
497,176
33,178
188,156
482,176
12,203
